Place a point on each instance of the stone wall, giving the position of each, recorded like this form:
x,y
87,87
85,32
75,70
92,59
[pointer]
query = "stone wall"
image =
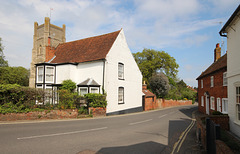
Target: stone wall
x,y
47,114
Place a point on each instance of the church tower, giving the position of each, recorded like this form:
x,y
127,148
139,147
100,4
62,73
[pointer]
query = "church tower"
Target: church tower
x,y
46,38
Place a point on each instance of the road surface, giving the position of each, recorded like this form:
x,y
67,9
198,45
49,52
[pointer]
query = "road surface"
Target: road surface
x,y
157,131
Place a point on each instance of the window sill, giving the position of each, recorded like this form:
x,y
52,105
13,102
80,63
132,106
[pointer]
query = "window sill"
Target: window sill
x,y
121,103
120,79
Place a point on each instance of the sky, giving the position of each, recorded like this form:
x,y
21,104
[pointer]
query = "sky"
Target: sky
x,y
188,30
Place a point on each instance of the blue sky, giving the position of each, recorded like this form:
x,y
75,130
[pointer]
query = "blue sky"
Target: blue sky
x,y
186,29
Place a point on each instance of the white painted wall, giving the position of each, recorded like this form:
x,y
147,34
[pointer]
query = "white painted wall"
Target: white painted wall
x,y
233,73
132,82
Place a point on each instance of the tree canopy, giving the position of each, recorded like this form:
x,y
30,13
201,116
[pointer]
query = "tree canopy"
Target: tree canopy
x,y
68,85
151,61
3,62
14,75
159,84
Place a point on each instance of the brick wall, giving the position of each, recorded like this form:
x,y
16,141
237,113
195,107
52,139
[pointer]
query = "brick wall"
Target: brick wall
x,y
217,91
151,104
222,120
97,112
47,114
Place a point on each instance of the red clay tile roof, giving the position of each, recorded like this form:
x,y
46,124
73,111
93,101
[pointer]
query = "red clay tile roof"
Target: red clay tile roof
x,y
219,64
88,49
148,93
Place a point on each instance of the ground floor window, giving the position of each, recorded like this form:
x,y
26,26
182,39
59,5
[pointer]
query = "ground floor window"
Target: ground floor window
x,y
120,95
202,101
94,90
212,103
83,90
219,104
224,105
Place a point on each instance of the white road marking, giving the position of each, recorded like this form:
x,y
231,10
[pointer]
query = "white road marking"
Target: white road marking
x,y
58,134
162,116
134,123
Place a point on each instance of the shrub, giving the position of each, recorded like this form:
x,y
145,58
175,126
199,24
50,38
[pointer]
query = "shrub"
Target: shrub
x,y
96,100
217,113
68,85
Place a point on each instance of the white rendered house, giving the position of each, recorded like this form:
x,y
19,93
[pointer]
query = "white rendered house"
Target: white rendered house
x,y
231,30
96,63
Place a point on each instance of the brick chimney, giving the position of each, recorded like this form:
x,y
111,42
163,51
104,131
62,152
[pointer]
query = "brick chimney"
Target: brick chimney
x,y
217,52
50,51
144,86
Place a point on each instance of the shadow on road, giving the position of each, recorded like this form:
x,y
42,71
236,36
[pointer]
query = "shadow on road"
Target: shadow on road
x,y
141,148
175,129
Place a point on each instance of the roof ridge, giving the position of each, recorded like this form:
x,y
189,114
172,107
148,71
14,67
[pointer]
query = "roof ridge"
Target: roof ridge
x,y
91,37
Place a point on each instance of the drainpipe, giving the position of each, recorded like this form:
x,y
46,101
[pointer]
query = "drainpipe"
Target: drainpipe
x,y
104,60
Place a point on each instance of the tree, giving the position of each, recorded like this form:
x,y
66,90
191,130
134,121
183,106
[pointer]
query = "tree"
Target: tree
x,y
159,84
151,61
3,62
68,85
14,75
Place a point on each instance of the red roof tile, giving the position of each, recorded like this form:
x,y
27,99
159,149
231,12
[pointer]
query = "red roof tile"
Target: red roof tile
x,y
88,49
148,93
219,64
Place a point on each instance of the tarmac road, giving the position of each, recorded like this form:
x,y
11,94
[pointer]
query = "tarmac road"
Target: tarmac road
x,y
158,131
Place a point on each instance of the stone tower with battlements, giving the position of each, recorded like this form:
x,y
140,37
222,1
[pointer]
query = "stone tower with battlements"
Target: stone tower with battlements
x,y
46,38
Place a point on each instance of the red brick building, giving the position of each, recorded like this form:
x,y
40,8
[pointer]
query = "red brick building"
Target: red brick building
x,y
149,99
212,86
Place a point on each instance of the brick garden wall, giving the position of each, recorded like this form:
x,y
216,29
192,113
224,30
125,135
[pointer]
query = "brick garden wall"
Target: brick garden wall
x,y
47,114
151,104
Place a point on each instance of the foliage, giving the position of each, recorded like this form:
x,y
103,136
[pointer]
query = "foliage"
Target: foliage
x,y
217,113
151,61
96,100
67,99
16,108
68,85
181,92
159,84
3,62
83,110
14,75
13,93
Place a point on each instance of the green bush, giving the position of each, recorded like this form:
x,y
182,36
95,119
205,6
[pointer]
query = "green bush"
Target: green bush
x,y
96,100
68,85
217,113
83,110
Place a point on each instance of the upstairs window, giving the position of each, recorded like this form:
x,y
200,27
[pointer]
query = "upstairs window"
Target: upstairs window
x,y
120,95
40,74
120,71
225,79
212,82
201,83
49,74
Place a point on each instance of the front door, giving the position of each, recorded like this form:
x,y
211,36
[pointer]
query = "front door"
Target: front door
x,y
207,105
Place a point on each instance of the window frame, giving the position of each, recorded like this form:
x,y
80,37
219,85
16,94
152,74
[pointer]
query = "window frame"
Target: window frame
x,y
79,90
225,81
224,104
48,74
121,102
202,100
42,67
219,106
237,102
201,83
212,103
212,81
120,72
94,88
